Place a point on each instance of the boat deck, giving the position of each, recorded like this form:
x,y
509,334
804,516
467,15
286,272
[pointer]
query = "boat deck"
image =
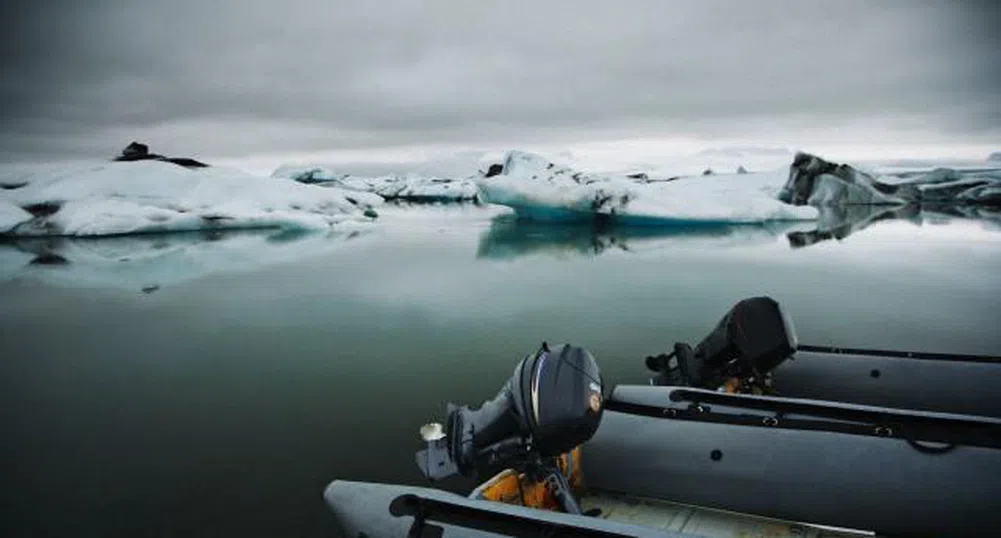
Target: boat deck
x,y
668,516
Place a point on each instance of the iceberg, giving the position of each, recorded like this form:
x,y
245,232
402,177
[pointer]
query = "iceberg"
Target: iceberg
x,y
155,196
406,188
948,186
542,190
411,188
538,189
11,216
816,182
307,174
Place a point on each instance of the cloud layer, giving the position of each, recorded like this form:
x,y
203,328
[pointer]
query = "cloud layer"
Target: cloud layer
x,y
238,77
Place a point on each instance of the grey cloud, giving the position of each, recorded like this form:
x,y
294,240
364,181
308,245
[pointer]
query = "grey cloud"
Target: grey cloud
x,y
253,75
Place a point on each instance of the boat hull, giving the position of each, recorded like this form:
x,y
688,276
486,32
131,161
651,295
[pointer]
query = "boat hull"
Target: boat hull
x,y
367,509
950,386
685,453
883,484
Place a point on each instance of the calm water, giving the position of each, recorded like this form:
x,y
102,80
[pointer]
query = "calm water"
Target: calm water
x,y
223,405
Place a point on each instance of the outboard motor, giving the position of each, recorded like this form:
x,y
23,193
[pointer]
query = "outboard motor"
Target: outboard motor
x,y
753,338
551,404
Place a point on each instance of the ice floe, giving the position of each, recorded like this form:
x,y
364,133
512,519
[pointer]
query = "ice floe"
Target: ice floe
x,y
539,189
405,187
148,196
817,182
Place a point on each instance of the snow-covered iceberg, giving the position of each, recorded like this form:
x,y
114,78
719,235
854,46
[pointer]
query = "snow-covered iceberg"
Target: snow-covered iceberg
x,y
542,190
307,174
539,189
149,196
411,188
11,216
406,187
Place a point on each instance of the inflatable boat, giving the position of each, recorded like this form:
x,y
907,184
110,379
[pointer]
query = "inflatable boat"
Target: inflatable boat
x,y
754,349
557,455
947,382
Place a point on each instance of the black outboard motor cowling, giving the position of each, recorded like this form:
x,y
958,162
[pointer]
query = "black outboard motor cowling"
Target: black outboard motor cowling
x,y
562,398
752,339
551,404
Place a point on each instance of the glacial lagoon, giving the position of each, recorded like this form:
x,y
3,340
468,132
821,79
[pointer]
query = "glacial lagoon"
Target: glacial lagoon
x,y
199,384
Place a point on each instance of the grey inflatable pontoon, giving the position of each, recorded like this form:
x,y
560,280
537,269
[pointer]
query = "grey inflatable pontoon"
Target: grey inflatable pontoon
x,y
950,383
669,461
896,472
754,349
370,510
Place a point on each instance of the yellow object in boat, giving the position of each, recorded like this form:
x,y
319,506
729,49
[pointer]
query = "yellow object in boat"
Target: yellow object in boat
x,y
512,487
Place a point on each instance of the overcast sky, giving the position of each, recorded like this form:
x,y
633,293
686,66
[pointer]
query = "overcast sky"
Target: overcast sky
x,y
235,78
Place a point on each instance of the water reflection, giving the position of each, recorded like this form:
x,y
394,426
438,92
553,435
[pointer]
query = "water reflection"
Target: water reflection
x,y
149,261
842,221
509,238
839,222
168,414
989,217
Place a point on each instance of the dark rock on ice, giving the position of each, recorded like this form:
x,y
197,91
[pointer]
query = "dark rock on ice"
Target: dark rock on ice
x,y
186,162
140,152
495,169
43,209
134,152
